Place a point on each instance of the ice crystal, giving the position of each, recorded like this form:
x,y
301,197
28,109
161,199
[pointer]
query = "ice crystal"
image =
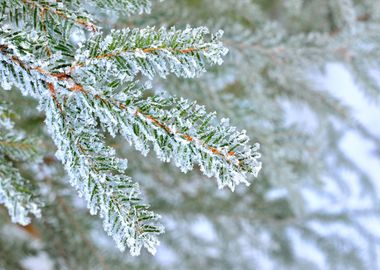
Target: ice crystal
x,y
87,84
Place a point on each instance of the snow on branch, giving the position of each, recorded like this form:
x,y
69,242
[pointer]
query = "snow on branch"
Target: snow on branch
x,y
127,7
44,15
179,130
93,88
125,53
16,193
99,176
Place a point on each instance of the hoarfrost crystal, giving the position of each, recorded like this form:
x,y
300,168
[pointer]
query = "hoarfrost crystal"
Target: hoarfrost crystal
x,y
87,83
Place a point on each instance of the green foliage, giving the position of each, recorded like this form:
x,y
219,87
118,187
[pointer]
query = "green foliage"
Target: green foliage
x,y
103,81
78,81
17,193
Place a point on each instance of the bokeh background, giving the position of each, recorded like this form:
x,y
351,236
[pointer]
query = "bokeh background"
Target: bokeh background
x,y
302,77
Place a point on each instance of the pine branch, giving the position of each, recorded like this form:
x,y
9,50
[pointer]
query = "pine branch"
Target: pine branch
x,y
16,193
13,144
184,53
126,7
98,175
77,97
116,198
178,130
125,53
227,157
44,15
16,146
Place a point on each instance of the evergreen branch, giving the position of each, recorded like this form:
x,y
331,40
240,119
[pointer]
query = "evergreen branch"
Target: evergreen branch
x,y
178,129
44,15
16,68
181,131
97,175
24,44
116,197
13,144
126,7
125,53
184,53
16,147
221,151
14,71
16,193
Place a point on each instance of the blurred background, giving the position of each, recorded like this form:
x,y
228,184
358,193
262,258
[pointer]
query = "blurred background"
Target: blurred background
x,y
302,77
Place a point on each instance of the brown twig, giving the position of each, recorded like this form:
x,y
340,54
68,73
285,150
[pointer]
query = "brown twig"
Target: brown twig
x,y
54,95
43,9
146,50
79,88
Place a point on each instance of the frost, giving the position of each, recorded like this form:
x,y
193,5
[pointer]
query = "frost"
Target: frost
x,y
107,191
127,7
185,134
91,87
20,202
150,52
140,53
5,84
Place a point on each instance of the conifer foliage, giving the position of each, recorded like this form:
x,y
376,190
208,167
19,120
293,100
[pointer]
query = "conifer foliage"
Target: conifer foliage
x,y
91,83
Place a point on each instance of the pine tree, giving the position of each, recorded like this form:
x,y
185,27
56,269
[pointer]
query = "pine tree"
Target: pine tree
x,y
103,72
